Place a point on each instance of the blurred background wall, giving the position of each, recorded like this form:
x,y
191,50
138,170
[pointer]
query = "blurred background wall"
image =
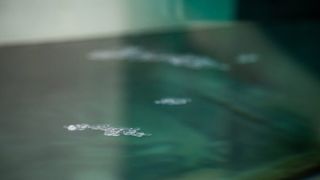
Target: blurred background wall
x,y
26,21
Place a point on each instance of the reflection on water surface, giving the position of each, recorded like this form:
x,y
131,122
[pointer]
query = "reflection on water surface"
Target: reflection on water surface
x,y
210,116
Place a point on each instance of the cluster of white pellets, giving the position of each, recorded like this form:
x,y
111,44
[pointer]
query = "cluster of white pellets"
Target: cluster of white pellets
x,y
114,131
141,55
247,58
137,54
173,101
108,130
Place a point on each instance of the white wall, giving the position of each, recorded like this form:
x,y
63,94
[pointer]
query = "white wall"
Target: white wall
x,y
54,20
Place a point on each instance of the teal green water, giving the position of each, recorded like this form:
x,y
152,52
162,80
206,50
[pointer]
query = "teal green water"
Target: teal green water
x,y
239,119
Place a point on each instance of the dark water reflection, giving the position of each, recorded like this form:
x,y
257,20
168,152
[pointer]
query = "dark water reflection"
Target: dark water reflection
x,y
240,120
